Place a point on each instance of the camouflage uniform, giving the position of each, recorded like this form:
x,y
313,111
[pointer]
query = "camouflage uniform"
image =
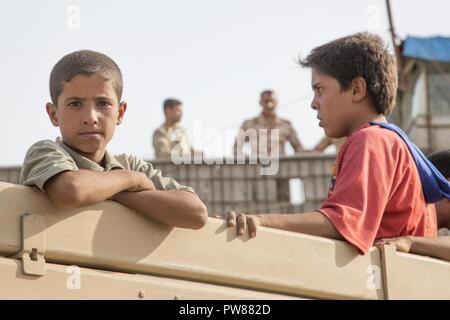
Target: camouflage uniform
x,y
165,139
286,133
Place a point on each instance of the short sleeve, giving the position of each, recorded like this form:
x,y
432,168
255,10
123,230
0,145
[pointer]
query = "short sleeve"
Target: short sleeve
x,y
160,182
44,160
356,205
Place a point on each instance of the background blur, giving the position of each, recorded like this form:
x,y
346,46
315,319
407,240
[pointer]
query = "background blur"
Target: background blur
x,y
216,56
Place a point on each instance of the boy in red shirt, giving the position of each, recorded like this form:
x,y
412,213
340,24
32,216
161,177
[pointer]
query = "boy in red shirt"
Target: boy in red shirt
x,y
376,191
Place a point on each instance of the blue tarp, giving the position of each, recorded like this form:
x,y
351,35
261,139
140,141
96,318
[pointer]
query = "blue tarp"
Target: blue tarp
x,y
430,48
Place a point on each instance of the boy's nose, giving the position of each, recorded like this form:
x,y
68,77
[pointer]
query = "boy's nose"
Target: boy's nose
x,y
90,117
314,104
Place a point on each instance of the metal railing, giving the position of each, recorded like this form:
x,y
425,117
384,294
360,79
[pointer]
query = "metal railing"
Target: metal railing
x,y
241,187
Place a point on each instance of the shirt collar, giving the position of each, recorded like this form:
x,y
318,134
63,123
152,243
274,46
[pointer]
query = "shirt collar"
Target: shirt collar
x,y
109,161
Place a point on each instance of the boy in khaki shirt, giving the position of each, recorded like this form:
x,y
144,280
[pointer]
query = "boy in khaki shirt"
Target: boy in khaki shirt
x,y
77,170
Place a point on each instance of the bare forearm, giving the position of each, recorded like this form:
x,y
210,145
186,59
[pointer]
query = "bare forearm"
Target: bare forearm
x,y
434,247
176,208
297,145
313,223
84,187
322,145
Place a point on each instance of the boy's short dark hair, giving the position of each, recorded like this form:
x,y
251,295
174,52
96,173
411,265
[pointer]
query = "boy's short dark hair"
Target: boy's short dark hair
x,y
359,55
441,161
171,103
84,62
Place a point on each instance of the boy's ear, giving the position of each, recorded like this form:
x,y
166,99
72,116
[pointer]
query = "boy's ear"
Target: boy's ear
x,y
122,109
359,87
51,111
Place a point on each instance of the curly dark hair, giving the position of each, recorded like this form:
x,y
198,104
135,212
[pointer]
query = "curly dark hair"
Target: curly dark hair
x,y
84,62
359,55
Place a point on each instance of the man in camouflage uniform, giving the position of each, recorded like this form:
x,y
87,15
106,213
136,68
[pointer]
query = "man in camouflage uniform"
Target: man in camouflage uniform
x,y
268,120
264,145
170,135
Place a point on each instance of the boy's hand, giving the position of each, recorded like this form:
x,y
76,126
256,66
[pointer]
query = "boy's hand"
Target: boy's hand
x,y
402,244
140,182
243,221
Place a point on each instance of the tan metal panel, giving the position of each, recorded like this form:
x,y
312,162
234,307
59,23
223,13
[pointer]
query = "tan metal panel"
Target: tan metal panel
x,y
410,276
71,282
110,236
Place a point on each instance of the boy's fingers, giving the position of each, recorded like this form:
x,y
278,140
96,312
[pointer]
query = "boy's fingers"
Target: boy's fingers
x,y
241,223
231,218
252,226
378,243
382,242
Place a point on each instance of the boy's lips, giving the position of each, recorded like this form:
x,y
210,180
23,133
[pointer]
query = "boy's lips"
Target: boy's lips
x,y
90,133
320,121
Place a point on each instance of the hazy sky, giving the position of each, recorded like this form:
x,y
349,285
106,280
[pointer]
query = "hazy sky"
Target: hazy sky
x,y
214,55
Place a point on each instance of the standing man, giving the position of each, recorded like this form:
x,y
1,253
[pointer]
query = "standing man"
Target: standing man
x,y
268,120
170,135
259,132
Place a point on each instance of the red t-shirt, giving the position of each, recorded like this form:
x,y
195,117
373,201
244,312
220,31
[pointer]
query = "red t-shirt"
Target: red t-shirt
x,y
376,192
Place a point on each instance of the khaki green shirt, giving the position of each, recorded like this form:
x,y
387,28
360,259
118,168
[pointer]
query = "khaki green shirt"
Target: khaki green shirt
x,y
46,158
166,139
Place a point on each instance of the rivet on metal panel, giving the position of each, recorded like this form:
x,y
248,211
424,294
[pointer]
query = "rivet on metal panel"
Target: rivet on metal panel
x,y
177,297
141,294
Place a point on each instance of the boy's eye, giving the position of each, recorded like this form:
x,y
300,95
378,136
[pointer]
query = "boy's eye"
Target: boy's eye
x,y
75,104
103,104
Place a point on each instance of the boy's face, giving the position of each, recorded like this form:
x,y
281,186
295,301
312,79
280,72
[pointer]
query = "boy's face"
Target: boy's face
x,y
334,108
87,113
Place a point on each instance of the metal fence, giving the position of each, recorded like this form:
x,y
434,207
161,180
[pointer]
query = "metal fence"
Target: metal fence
x,y
299,185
